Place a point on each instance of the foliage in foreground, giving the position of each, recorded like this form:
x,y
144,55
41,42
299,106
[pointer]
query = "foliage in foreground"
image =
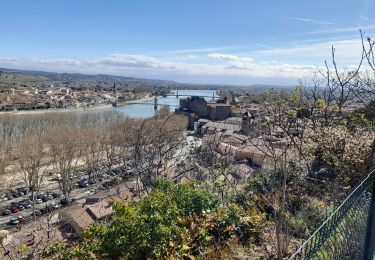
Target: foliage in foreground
x,y
174,221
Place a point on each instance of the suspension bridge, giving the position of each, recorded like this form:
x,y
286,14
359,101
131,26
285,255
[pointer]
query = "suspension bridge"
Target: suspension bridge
x,y
155,103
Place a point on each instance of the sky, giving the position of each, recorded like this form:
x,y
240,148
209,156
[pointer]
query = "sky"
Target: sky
x,y
236,42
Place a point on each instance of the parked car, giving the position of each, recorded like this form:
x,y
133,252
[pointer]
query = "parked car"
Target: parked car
x,y
45,198
15,194
55,195
21,219
102,187
129,171
40,195
25,201
52,195
56,205
56,177
28,205
14,209
38,212
14,221
20,207
6,212
38,201
13,204
83,183
116,171
23,189
64,202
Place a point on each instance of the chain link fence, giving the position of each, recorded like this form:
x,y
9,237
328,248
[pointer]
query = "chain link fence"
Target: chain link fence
x,y
347,233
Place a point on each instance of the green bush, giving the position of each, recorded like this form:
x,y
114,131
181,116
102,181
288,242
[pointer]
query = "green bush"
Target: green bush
x,y
174,221
55,251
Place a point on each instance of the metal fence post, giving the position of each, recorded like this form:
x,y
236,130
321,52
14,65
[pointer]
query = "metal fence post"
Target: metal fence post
x,y
368,253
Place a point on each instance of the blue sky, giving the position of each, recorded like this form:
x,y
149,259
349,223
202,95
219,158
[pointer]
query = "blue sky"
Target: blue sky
x,y
238,42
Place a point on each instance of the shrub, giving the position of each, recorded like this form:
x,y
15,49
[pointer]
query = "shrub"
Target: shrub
x,y
174,221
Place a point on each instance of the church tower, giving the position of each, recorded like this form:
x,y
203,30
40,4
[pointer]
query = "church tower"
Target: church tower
x,y
246,124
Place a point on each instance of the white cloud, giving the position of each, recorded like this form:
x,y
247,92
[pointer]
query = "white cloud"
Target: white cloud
x,y
301,19
223,56
131,61
271,65
363,17
234,61
124,64
189,57
229,57
202,50
337,30
347,51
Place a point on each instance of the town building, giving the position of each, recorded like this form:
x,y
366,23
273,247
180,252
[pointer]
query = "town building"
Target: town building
x,y
76,217
213,110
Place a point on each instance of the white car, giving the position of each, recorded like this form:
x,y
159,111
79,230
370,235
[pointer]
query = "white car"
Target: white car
x,y
56,206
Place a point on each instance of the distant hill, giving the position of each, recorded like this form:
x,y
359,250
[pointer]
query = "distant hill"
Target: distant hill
x,y
29,76
72,77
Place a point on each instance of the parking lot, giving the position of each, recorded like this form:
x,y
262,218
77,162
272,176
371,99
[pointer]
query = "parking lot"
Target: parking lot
x,y
16,205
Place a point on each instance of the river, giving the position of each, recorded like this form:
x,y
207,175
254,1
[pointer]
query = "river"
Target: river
x,y
147,110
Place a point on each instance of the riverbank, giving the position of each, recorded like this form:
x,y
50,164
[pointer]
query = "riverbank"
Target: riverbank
x,y
74,110
55,110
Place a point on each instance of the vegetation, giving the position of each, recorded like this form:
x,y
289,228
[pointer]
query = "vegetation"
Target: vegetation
x,y
173,221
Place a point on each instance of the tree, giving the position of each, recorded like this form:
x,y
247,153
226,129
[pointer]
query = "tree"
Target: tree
x,y
164,111
32,155
65,155
91,150
212,165
110,142
151,145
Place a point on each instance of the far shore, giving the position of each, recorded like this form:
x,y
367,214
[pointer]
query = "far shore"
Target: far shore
x,y
73,109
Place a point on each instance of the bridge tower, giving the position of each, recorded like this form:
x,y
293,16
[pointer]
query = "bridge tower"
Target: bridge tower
x,y
155,103
177,94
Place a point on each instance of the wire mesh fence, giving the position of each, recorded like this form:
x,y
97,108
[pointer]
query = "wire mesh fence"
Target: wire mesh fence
x,y
343,234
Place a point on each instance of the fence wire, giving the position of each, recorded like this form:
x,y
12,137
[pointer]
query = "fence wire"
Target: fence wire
x,y
342,235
